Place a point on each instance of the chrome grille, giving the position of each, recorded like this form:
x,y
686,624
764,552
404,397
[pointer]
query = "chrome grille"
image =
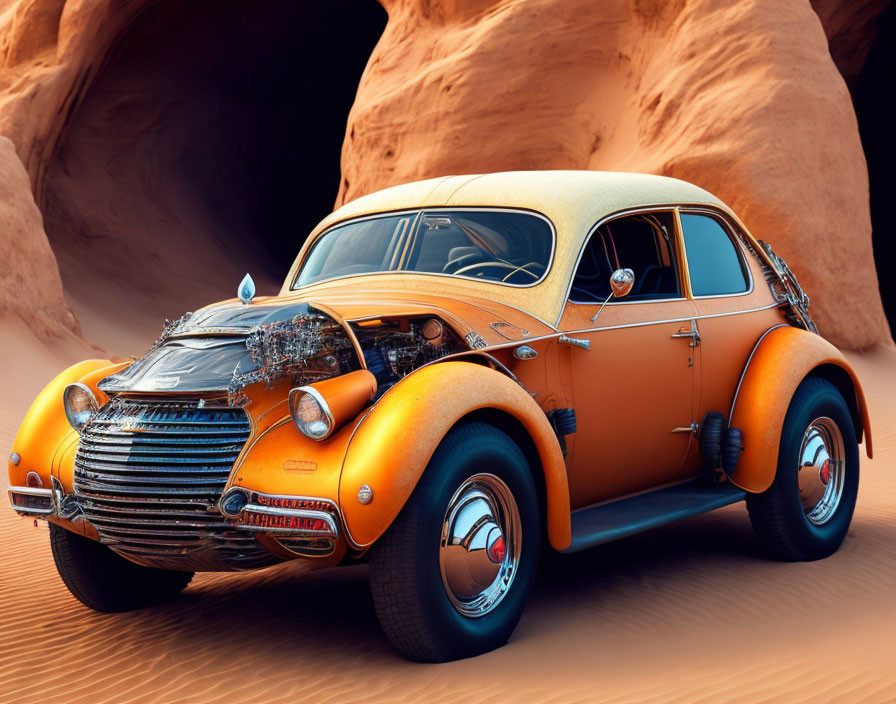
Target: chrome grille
x,y
148,475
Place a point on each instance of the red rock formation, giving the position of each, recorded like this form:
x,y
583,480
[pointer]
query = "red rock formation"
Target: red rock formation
x,y
104,104
850,28
741,98
29,280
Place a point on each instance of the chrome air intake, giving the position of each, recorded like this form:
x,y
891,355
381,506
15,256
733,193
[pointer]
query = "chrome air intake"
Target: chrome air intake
x,y
149,474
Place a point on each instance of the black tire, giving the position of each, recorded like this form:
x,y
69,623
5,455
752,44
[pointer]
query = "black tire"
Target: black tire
x,y
778,517
409,596
105,581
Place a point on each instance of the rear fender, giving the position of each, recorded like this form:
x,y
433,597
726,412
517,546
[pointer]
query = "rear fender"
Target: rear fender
x,y
782,359
394,442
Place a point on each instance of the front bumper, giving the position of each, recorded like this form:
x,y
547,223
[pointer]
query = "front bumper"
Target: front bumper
x,y
285,526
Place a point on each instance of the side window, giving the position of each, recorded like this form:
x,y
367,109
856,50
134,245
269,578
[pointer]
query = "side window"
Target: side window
x,y
642,243
714,264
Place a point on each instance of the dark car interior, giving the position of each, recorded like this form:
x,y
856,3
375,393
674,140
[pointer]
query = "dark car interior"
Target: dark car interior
x,y
642,243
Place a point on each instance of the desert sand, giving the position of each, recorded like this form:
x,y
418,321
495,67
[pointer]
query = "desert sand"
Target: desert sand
x,y
688,613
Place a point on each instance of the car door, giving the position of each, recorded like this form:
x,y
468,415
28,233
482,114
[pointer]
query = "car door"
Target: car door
x,y
734,305
634,386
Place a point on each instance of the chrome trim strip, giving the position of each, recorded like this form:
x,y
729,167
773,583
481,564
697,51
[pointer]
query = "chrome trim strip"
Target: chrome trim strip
x,y
747,366
418,211
32,491
331,531
582,331
611,303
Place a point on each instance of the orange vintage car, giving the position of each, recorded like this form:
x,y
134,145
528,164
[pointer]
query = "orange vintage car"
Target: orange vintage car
x,y
456,372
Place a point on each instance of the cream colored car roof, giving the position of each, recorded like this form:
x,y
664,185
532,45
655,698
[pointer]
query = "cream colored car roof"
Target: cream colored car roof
x,y
574,201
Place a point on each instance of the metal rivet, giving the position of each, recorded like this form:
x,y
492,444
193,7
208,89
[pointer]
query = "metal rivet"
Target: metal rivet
x,y
15,458
365,494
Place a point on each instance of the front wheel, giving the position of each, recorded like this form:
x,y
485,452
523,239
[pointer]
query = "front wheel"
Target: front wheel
x,y
451,576
104,580
806,512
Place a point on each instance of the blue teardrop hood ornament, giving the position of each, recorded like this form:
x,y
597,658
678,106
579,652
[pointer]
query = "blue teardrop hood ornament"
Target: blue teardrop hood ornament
x,y
246,290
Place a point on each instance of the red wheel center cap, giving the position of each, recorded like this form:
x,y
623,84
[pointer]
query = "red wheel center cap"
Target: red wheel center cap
x,y
825,472
497,550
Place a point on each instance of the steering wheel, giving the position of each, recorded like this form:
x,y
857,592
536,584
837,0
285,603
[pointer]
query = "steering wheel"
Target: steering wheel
x,y
504,266
463,260
525,269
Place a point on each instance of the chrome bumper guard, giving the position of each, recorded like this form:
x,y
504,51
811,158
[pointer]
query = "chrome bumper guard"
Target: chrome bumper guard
x,y
33,501
41,502
281,516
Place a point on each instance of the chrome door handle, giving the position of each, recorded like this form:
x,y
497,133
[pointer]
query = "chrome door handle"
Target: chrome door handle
x,y
693,333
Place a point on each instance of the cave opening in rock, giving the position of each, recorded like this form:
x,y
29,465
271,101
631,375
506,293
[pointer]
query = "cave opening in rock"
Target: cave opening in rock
x,y
207,144
873,99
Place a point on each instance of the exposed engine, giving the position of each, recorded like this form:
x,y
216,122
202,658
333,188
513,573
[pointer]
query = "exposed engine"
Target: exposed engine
x,y
307,348
227,348
395,348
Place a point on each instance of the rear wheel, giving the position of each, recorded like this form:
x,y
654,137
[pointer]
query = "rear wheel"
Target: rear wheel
x,y
105,581
451,576
806,512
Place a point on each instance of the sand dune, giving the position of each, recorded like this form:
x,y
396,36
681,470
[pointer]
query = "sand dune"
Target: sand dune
x,y
689,613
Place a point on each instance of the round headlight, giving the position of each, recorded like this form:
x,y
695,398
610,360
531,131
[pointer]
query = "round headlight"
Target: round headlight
x,y
310,412
80,405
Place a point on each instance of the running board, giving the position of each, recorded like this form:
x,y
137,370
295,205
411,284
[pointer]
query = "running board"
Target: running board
x,y
619,519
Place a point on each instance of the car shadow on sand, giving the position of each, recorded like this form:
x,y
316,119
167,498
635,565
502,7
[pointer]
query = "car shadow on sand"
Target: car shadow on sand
x,y
285,610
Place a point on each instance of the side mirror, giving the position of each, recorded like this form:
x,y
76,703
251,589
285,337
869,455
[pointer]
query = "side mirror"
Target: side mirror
x,y
621,282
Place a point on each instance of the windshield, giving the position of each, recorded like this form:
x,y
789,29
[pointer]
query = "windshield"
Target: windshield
x,y
506,247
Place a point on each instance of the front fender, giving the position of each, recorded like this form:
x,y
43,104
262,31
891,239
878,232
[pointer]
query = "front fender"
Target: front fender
x,y
393,444
45,440
782,359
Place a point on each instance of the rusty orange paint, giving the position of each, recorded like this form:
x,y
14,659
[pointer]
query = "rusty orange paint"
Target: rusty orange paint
x,y
266,462
64,461
783,358
395,441
275,447
45,428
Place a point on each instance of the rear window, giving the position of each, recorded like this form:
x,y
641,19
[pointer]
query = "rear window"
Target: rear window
x,y
714,264
505,247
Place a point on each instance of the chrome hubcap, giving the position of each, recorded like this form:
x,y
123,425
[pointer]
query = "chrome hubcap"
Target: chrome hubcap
x,y
821,471
480,547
